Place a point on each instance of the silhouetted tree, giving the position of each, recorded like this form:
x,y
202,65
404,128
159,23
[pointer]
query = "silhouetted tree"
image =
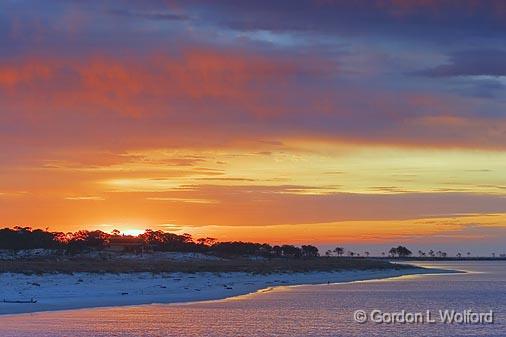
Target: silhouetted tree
x,y
400,251
309,251
85,240
392,252
27,238
339,251
291,251
206,241
277,251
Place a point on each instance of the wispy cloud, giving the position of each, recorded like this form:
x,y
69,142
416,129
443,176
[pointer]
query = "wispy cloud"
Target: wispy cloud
x,y
477,62
87,197
153,15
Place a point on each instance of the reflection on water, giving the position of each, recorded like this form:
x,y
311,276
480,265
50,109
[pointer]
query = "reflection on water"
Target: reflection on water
x,y
324,310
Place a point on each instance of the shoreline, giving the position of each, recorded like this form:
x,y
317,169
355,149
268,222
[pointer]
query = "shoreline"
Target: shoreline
x,y
93,290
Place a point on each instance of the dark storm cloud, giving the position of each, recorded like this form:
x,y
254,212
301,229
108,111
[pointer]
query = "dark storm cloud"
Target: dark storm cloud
x,y
433,20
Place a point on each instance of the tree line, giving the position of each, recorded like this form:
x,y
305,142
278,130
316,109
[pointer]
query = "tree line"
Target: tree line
x,y
25,238
399,251
21,238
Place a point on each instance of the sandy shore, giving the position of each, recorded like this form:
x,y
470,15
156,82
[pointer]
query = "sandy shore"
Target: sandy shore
x,y
86,290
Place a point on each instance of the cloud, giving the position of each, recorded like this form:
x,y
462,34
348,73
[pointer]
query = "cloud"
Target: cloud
x,y
430,21
211,98
183,200
433,233
153,15
86,198
238,206
478,62
12,76
156,83
149,24
206,84
274,205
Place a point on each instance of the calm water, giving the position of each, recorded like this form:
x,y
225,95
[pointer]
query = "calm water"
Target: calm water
x,y
325,310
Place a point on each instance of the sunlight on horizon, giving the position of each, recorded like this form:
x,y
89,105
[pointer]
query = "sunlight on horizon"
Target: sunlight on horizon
x,y
132,231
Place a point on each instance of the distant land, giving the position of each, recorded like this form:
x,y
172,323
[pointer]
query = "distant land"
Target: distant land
x,y
27,250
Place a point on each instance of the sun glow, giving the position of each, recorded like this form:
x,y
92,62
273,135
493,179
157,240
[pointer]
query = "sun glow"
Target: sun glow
x,y
132,231
125,229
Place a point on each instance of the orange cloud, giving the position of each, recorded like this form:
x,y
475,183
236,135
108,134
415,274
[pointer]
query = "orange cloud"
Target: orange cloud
x,y
229,96
157,83
31,71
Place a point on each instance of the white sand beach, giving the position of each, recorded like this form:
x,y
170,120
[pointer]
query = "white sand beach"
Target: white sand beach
x,y
85,290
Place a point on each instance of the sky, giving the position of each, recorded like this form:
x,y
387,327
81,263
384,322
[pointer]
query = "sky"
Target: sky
x,y
351,123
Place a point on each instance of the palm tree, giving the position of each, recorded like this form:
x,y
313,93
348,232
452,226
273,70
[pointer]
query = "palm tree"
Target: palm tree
x,y
339,251
468,254
366,254
421,254
459,255
328,253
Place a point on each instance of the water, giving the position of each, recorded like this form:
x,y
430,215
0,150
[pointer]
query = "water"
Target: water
x,y
323,310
